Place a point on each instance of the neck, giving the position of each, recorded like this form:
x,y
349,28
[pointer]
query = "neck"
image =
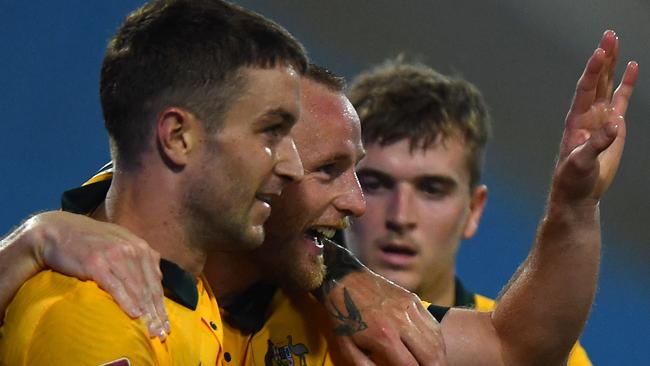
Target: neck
x,y
440,289
149,205
230,273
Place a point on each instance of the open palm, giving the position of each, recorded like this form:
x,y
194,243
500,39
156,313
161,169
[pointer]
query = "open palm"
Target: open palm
x,y
595,130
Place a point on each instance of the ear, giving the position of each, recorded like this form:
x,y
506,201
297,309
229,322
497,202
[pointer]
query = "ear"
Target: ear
x,y
476,206
177,132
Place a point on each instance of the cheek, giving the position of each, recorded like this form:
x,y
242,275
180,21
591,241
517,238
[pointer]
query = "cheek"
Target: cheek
x,y
375,215
252,158
444,222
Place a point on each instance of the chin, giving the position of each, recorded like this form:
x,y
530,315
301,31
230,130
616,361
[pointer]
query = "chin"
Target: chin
x,y
304,278
252,238
404,279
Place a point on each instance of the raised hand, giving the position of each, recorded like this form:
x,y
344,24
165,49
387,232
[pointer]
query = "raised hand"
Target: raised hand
x,y
595,130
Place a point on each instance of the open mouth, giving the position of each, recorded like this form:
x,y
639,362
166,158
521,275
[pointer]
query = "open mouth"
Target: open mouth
x,y
398,250
398,256
318,233
266,198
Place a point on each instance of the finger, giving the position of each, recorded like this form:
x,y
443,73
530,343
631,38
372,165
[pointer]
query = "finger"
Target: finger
x,y
132,265
612,69
588,82
127,267
136,283
585,156
107,281
393,354
608,44
426,344
351,355
621,98
157,289
154,302
425,351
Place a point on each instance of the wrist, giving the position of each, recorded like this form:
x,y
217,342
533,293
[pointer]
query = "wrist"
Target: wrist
x,y
587,210
38,235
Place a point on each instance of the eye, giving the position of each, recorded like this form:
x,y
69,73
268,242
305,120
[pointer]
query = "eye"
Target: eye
x,y
371,184
434,189
329,169
276,130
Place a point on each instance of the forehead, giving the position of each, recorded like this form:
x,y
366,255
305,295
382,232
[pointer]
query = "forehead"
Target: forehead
x,y
265,89
328,124
445,157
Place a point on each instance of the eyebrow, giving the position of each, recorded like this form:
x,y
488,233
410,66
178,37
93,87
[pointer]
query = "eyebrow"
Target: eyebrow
x,y
420,178
333,159
284,114
375,173
447,181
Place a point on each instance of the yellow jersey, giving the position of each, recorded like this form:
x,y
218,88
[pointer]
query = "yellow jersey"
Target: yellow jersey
x,y
59,320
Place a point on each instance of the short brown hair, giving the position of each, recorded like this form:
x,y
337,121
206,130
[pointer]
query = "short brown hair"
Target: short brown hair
x,y
185,53
399,100
325,77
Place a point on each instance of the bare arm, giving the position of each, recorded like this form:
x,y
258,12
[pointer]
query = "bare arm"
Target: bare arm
x,y
544,308
17,261
374,320
121,263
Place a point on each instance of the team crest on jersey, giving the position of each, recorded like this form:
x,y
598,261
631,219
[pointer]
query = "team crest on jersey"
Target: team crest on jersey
x,y
286,355
121,362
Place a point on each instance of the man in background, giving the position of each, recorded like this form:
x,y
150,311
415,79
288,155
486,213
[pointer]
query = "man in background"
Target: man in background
x,y
425,135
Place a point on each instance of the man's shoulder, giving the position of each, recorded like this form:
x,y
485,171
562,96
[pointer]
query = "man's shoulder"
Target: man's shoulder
x,y
56,317
49,291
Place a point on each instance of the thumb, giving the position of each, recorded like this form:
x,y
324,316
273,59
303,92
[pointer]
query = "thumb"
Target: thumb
x,y
600,140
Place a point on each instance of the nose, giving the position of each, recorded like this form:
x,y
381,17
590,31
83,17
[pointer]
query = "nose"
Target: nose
x,y
400,214
351,202
288,164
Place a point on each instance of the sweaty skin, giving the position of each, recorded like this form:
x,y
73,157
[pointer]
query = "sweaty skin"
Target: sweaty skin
x,y
517,333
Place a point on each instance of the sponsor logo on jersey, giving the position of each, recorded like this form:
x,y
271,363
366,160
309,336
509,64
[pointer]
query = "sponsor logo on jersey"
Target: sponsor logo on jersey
x,y
286,355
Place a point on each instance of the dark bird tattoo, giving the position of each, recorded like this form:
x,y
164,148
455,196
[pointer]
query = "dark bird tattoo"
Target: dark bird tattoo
x,y
350,323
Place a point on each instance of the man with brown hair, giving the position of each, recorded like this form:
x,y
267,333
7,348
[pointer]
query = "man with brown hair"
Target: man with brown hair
x,y
425,135
190,89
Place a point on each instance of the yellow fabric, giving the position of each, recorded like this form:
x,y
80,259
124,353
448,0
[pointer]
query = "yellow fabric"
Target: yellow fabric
x,y
59,320
99,177
299,317
302,318
287,338
578,355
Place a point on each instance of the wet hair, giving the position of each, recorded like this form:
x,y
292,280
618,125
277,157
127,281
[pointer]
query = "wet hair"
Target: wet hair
x,y
399,100
188,54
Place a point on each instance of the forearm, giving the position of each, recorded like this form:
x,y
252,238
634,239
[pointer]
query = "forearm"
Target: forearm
x,y
18,260
374,319
544,307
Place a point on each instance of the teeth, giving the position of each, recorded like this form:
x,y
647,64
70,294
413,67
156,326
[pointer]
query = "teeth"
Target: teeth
x,y
326,232
264,198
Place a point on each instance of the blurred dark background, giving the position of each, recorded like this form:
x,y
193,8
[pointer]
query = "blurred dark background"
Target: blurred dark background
x,y
524,55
